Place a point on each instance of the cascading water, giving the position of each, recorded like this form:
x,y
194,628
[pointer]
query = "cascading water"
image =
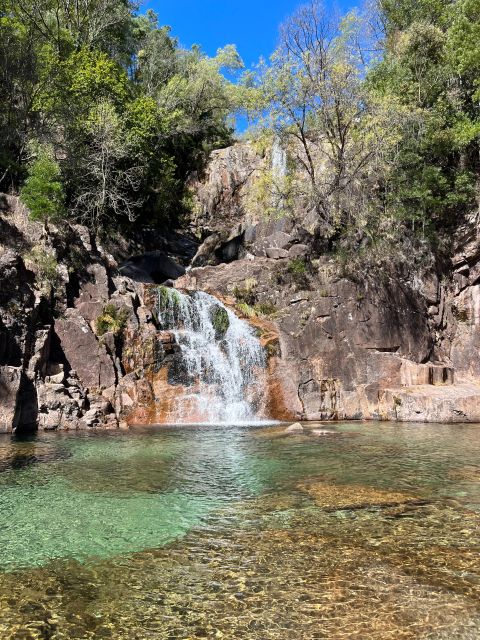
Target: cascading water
x,y
220,364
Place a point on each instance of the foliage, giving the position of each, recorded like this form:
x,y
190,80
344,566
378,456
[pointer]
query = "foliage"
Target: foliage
x,y
297,267
111,171
312,96
44,263
266,309
246,292
127,112
296,272
380,114
42,191
430,68
167,297
271,194
246,310
112,320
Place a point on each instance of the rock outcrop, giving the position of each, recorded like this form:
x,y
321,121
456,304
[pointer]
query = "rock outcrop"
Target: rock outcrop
x,y
59,369
382,344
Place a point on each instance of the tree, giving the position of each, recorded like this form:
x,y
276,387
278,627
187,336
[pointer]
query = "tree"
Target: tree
x,y
313,96
42,191
431,68
110,172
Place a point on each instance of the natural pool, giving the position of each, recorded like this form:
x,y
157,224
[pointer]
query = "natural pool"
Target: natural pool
x,y
231,532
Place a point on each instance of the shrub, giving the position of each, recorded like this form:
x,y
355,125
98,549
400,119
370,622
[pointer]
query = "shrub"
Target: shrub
x,y
112,320
297,267
266,309
44,264
247,293
296,272
246,310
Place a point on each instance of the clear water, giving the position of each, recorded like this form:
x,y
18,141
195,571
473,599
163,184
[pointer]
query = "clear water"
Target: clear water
x,y
223,374
242,533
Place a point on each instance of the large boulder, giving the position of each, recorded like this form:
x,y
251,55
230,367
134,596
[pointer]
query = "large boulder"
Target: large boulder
x,y
84,353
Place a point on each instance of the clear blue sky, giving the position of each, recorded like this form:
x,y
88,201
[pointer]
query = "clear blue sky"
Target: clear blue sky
x,y
250,24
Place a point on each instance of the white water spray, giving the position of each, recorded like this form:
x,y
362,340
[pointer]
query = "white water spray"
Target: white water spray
x,y
221,364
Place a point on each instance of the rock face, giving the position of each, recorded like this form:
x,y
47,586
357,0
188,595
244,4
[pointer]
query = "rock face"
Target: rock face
x,y
384,345
58,370
231,225
84,353
379,345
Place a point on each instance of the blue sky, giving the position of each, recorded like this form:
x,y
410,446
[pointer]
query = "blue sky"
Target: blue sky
x,y
250,24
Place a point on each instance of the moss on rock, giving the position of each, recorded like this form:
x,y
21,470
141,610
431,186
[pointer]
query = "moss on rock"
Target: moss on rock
x,y
220,321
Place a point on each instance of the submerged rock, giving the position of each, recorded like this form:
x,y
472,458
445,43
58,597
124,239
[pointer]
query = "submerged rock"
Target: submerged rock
x,y
294,428
334,497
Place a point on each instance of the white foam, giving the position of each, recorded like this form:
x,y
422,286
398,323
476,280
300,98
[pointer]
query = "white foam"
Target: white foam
x,y
223,376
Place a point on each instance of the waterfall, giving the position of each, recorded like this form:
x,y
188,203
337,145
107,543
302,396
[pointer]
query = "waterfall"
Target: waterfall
x,y
220,362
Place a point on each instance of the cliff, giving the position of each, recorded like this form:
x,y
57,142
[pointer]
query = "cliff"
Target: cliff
x,y
81,346
356,341
77,342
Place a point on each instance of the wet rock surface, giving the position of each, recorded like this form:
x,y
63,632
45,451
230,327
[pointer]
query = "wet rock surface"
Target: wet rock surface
x,y
381,344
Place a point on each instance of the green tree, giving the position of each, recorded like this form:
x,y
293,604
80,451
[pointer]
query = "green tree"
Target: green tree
x,y
42,191
110,171
430,68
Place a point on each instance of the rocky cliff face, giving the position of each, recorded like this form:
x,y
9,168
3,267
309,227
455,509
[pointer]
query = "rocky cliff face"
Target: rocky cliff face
x,y
79,357
341,343
375,345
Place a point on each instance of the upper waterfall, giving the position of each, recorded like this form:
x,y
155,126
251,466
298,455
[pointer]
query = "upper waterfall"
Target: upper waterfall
x,y
220,364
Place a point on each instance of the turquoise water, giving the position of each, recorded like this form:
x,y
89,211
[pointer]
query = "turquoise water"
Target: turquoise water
x,y
172,528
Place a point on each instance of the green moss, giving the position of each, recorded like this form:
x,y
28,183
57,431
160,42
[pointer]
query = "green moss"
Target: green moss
x,y
220,321
167,296
111,320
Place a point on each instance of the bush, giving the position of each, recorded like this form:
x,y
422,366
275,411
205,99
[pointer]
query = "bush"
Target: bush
x,y
296,272
266,309
44,264
297,267
112,320
42,191
246,310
